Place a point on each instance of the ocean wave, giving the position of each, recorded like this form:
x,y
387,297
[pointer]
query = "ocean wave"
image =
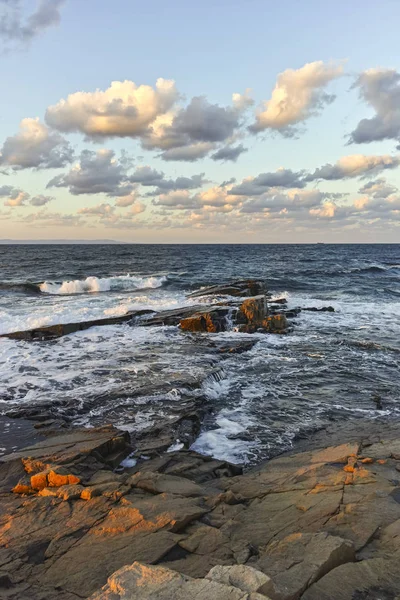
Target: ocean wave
x,y
26,288
98,284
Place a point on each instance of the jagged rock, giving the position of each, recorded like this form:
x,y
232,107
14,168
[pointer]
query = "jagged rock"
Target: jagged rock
x,y
253,311
249,287
143,582
212,320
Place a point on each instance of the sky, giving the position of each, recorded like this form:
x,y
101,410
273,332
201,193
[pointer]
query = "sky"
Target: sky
x,y
220,121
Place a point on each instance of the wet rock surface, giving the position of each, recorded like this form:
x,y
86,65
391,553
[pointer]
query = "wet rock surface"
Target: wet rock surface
x,y
319,523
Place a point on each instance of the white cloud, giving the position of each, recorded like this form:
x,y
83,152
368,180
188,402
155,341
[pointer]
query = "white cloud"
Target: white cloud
x,y
122,110
35,146
298,95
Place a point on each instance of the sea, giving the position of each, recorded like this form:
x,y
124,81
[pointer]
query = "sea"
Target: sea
x,y
330,368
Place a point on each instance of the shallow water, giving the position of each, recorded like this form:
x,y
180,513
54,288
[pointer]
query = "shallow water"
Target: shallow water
x,y
330,368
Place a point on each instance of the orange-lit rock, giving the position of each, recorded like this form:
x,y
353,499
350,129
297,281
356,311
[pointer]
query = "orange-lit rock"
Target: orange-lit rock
x,y
275,323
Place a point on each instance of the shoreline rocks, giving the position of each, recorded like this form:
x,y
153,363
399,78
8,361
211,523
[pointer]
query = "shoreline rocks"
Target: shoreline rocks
x,y
318,523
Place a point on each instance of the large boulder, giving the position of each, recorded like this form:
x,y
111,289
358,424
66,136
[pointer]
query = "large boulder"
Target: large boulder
x,y
253,310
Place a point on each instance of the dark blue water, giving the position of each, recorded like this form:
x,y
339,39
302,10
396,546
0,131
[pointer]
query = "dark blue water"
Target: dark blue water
x,y
331,367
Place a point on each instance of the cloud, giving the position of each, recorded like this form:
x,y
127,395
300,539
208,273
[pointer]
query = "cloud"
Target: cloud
x,y
14,28
216,198
190,133
255,186
177,199
294,200
380,89
35,146
43,218
355,165
298,95
189,153
147,176
229,153
97,211
379,188
14,197
40,200
122,110
242,101
96,173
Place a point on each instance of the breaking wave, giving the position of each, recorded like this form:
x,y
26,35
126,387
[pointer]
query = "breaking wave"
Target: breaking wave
x,y
98,284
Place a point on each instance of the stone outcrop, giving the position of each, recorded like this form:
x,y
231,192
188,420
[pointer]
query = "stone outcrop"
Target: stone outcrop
x,y
211,320
323,523
246,287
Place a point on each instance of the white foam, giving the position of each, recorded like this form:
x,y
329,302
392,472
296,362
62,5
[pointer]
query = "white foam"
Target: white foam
x,y
98,284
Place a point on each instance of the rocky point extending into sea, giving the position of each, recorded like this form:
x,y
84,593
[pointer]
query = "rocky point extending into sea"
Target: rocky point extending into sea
x,y
98,513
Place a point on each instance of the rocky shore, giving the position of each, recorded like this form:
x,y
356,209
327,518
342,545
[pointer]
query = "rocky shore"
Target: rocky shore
x,y
98,513
319,523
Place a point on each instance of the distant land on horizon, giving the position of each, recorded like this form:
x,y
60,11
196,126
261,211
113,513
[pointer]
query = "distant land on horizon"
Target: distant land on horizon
x,y
11,241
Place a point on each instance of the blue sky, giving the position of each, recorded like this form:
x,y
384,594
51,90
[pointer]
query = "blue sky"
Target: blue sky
x,y
53,49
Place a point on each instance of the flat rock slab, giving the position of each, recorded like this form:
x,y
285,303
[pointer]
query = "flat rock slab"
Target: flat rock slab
x,y
143,582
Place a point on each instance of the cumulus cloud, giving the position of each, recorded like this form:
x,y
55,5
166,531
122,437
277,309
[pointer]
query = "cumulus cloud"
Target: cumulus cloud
x,y
177,200
15,28
298,95
255,186
355,165
379,188
229,153
293,200
35,146
380,89
40,200
123,110
97,172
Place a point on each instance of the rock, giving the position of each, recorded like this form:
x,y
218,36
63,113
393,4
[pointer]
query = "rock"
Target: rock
x,y
212,320
376,579
275,324
159,483
55,331
144,582
248,287
299,560
245,578
253,311
322,309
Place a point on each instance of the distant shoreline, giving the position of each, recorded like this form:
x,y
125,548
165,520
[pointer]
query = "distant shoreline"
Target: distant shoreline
x,y
10,242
